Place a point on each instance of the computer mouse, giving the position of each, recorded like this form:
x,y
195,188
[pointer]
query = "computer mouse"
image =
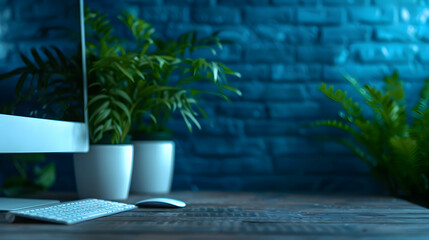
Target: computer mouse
x,y
160,203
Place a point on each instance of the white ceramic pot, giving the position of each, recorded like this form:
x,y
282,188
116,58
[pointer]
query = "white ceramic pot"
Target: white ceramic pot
x,y
153,166
104,172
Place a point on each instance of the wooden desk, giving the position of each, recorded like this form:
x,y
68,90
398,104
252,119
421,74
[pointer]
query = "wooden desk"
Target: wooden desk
x,y
212,215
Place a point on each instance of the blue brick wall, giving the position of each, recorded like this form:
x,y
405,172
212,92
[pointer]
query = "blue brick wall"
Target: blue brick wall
x,y
284,50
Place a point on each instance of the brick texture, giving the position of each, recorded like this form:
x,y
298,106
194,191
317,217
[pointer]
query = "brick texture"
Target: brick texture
x,y
284,50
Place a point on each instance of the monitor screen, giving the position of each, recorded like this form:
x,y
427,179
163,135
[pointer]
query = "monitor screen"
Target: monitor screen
x,y
42,77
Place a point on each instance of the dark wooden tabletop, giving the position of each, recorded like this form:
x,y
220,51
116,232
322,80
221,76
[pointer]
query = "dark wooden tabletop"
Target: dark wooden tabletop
x,y
216,215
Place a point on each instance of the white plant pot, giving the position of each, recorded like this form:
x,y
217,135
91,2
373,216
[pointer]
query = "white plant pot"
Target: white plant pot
x,y
153,166
104,172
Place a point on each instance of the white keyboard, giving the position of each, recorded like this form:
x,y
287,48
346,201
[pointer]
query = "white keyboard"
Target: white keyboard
x,y
74,211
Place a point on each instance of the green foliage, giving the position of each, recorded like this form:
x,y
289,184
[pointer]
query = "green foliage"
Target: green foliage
x,y
113,73
34,175
143,69
397,151
130,81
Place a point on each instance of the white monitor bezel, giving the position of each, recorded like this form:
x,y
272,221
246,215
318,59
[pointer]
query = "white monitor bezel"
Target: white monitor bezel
x,y
34,135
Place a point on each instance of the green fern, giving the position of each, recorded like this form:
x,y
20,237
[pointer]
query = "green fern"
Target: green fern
x,y
336,124
396,151
352,108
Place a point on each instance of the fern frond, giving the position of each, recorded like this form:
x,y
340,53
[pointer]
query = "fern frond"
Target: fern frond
x,y
422,104
355,84
394,88
335,124
349,105
388,110
405,149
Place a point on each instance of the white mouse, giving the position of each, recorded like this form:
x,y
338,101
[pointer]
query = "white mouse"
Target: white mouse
x,y
160,203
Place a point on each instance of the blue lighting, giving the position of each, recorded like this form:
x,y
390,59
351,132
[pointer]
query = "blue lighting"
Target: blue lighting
x,y
284,50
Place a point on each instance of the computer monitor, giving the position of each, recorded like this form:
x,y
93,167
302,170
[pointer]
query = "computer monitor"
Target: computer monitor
x,y
41,26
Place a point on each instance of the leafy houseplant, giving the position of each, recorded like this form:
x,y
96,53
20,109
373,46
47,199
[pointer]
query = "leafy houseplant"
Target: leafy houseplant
x,y
124,81
116,85
111,70
132,79
393,142
161,78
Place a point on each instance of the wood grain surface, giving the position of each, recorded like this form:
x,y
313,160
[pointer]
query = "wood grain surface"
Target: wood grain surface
x,y
219,215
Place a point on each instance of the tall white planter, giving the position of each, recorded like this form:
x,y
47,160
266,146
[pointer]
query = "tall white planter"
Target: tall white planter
x,y
104,172
153,166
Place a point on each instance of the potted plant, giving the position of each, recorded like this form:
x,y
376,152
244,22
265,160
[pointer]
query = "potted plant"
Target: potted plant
x,y
392,141
114,72
184,77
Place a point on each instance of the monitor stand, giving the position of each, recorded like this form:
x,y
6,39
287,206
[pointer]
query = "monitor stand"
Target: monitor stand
x,y
10,204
